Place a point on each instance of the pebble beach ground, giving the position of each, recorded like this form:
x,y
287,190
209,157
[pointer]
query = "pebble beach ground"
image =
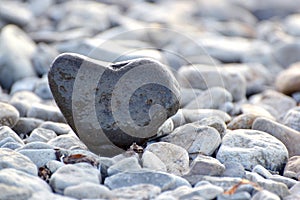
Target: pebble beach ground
x,y
236,135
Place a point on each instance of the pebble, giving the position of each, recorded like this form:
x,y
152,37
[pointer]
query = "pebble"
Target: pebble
x,y
243,121
262,171
195,139
6,132
88,190
12,192
211,98
23,180
287,81
16,13
67,142
72,175
199,114
278,102
138,192
286,135
286,54
42,89
9,115
292,167
291,119
233,169
265,195
15,44
58,128
236,196
199,77
214,122
127,164
24,84
256,110
151,161
223,182
163,180
277,188
291,25
251,148
173,156
61,87
206,165
15,160
45,112
40,157
188,95
41,134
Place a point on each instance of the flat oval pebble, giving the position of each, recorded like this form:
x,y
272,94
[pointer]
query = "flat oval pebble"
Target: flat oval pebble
x,y
108,125
15,160
252,147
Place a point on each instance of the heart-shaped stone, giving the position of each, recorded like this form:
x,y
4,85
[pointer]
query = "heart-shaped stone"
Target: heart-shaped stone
x,y
111,105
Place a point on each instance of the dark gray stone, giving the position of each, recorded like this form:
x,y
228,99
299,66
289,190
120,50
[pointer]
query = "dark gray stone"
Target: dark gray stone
x,y
94,95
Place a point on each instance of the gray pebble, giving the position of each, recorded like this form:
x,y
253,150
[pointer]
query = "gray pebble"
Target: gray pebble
x,y
6,132
12,145
37,145
236,196
54,165
195,139
265,195
42,89
173,156
292,119
26,125
138,192
15,160
20,179
199,114
16,13
25,84
40,157
206,165
71,175
212,98
9,115
15,43
67,142
199,77
262,171
152,162
88,190
292,167
127,164
13,192
41,135
58,128
45,112
289,182
214,122
233,169
258,148
163,180
289,137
